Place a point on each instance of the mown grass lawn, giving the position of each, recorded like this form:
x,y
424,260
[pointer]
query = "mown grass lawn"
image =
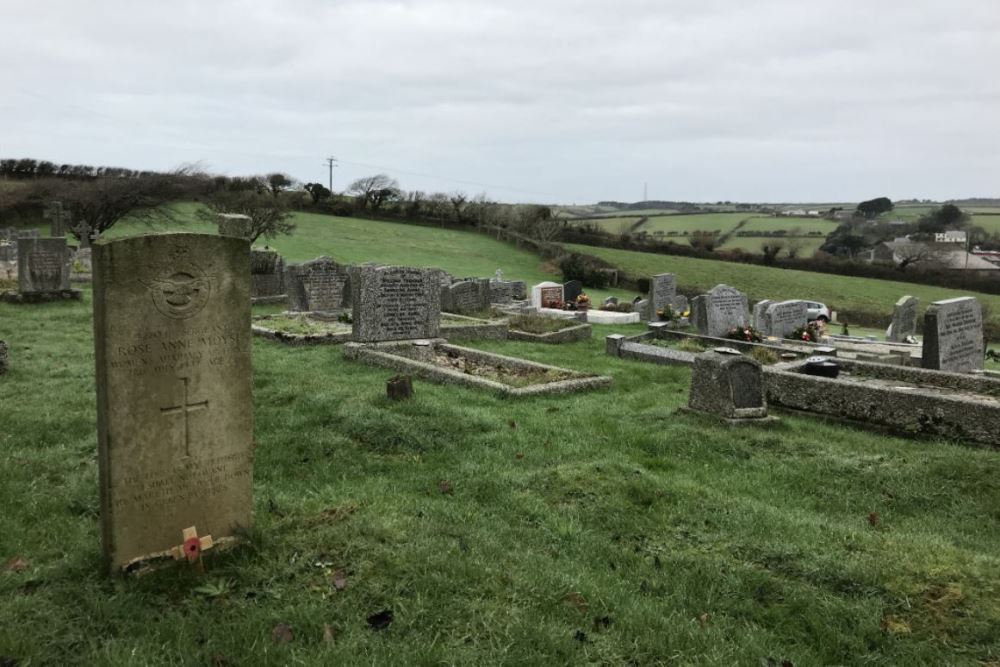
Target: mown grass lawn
x,y
841,293
605,527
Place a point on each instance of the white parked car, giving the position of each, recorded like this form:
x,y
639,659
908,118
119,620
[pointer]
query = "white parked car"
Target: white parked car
x,y
817,311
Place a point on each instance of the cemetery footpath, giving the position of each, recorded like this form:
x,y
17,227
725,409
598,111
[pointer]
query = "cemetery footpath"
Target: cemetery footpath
x,y
298,513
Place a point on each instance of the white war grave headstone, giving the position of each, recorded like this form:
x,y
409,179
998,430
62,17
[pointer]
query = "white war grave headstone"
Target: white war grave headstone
x,y
174,402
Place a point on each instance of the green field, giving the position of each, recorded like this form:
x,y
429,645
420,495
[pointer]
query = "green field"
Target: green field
x,y
990,223
842,293
804,225
601,528
613,225
723,222
751,244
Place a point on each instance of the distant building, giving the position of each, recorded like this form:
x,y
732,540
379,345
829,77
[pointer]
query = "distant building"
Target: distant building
x,y
931,256
954,236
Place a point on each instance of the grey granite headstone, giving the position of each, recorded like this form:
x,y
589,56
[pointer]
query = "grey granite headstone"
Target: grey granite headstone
x,y
722,309
395,303
662,292
759,308
500,292
571,290
174,403
904,319
727,384
519,289
784,317
680,304
953,336
235,224
642,307
267,273
466,297
43,265
8,251
319,285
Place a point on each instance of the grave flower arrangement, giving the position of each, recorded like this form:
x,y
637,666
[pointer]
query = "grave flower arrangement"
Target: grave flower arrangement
x,y
583,301
810,333
666,313
746,334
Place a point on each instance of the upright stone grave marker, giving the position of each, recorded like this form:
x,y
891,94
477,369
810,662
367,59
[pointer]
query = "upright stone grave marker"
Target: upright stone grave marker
x,y
546,295
784,317
43,265
727,384
953,336
395,303
267,275
662,292
235,224
759,309
722,309
571,290
467,296
58,217
319,285
904,319
174,402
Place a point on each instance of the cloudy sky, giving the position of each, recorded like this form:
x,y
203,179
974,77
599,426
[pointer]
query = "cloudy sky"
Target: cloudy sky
x,y
541,100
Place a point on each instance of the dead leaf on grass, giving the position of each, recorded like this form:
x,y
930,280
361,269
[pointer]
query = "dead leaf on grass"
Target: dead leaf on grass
x,y
340,580
444,486
329,633
15,564
894,626
873,519
703,620
577,601
519,456
512,423
282,633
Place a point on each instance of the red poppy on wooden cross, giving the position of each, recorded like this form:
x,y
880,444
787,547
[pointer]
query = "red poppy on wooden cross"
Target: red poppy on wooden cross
x,y
192,546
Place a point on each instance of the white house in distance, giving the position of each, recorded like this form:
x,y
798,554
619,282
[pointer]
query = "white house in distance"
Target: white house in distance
x,y
955,236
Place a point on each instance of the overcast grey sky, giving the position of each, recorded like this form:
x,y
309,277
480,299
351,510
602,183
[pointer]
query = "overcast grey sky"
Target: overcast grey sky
x,y
552,101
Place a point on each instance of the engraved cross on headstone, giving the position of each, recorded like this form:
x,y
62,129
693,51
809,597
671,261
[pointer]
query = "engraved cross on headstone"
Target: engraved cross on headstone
x,y
184,409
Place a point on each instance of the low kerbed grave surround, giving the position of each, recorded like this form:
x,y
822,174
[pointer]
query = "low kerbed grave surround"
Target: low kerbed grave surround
x,y
299,329
911,401
441,362
462,327
570,334
41,297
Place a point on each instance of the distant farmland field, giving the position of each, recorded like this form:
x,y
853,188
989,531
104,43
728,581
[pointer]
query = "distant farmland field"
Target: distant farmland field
x,y
723,222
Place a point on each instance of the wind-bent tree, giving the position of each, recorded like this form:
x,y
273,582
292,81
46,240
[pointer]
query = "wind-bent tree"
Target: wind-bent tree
x,y
375,191
874,207
269,215
317,191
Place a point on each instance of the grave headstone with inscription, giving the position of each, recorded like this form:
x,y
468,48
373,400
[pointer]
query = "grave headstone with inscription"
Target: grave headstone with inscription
x,y
235,224
904,319
784,317
174,403
395,303
8,251
759,308
662,293
953,336
267,274
43,265
547,295
319,285
466,296
727,384
721,310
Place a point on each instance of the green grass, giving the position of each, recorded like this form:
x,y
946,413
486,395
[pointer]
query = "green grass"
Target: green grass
x,y
804,225
842,293
694,223
614,225
810,244
602,528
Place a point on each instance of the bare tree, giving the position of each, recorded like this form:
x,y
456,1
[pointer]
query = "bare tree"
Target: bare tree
x,y
375,191
278,183
269,215
458,200
915,254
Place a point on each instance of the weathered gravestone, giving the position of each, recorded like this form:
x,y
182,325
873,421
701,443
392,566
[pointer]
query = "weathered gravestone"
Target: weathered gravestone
x,y
721,310
662,293
235,224
571,290
727,384
641,306
953,336
43,265
518,289
784,317
82,261
395,303
8,251
466,296
547,295
680,304
501,292
174,402
4,357
319,285
904,319
267,275
58,217
759,309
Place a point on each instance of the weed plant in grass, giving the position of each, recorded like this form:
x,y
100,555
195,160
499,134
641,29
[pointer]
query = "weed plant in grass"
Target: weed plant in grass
x,y
604,527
